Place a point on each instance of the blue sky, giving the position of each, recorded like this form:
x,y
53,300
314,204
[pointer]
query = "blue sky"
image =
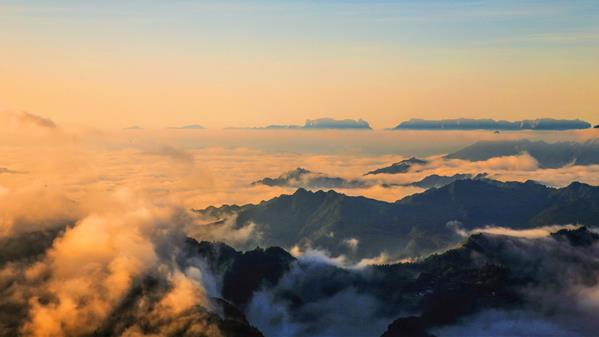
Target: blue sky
x,y
465,22
286,39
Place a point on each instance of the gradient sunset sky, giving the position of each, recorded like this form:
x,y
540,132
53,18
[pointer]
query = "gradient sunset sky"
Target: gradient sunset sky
x,y
250,63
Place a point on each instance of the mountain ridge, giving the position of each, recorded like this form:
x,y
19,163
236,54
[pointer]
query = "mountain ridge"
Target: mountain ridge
x,y
415,224
491,124
548,155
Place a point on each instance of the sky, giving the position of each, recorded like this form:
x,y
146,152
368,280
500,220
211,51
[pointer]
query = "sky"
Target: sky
x,y
112,64
76,74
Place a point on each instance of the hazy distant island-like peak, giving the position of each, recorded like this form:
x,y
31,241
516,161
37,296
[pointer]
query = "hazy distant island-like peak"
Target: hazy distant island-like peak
x,y
491,124
282,126
319,124
330,123
187,127
134,127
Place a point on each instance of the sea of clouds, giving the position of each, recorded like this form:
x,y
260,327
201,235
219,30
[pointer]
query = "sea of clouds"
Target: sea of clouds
x,y
118,204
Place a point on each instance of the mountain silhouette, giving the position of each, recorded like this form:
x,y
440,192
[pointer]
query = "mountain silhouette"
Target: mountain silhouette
x,y
414,225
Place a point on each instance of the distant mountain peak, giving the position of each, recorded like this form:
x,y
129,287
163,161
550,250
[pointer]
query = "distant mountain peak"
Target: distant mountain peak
x,y
491,124
438,181
321,124
134,127
302,191
330,123
578,185
399,167
300,171
303,178
188,127
548,155
581,236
